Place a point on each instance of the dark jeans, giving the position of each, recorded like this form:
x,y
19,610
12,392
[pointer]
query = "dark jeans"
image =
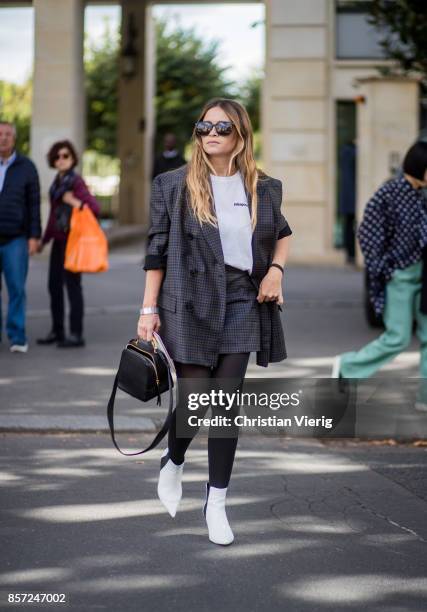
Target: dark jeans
x,y
58,276
221,451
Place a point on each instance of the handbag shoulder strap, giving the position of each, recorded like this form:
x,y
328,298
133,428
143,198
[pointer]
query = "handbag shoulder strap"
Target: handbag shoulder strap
x,y
164,350
165,427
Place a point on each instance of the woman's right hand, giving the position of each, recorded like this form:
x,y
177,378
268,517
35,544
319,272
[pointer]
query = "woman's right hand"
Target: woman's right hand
x,y
147,324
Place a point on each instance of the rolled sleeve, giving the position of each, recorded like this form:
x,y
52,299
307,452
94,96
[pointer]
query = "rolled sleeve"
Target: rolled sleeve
x,y
282,224
285,229
158,234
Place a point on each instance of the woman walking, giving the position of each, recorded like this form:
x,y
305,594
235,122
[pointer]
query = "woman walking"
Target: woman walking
x,y
393,237
68,190
217,245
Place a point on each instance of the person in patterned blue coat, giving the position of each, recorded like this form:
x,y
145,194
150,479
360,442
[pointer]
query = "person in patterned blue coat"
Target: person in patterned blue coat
x,y
393,240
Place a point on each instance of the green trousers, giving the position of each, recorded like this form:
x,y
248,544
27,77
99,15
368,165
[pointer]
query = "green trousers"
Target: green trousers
x,y
402,306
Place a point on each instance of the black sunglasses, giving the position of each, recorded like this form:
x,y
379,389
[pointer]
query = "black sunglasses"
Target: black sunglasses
x,y
62,156
222,128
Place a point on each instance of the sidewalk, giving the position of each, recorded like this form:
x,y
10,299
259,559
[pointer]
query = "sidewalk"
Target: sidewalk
x,y
319,525
324,528
50,389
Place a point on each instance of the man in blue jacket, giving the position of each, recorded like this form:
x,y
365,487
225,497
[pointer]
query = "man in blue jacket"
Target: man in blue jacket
x,y
20,230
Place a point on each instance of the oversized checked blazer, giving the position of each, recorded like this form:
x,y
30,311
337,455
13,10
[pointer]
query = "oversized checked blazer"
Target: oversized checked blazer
x,y
192,297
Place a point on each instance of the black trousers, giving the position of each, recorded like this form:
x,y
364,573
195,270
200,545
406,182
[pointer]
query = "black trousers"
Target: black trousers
x,y
221,451
58,277
349,235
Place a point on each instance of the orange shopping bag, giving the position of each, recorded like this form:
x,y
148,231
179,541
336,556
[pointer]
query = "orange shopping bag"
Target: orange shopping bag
x,y
87,247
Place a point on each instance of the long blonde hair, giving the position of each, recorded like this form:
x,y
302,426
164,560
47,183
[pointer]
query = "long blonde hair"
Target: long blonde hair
x,y
199,167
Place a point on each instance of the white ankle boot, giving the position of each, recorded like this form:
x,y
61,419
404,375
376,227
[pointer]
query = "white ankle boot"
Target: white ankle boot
x,y
216,518
169,488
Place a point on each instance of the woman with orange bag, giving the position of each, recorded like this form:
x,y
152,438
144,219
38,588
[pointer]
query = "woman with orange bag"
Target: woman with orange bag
x,y
68,190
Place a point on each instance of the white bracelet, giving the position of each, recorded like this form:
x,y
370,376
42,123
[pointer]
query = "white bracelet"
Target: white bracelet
x,y
149,310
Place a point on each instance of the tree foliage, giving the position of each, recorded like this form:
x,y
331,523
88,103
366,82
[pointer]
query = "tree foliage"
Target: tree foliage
x,y
250,97
15,106
101,82
405,25
188,75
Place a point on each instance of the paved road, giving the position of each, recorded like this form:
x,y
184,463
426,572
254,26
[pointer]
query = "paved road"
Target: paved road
x,y
318,527
70,389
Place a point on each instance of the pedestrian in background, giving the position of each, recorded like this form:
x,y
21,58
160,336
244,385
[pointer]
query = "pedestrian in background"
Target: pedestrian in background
x,y
347,197
393,239
20,231
170,158
68,190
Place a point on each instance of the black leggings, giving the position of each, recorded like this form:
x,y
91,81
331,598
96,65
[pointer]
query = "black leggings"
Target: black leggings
x,y
221,451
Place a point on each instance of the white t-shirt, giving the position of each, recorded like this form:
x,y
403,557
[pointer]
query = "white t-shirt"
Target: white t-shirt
x,y
234,222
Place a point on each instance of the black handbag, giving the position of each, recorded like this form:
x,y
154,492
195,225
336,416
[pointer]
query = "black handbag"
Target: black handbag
x,y
144,373
63,217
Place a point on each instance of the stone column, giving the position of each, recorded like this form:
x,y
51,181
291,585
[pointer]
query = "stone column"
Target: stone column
x,y
387,124
136,116
58,89
295,118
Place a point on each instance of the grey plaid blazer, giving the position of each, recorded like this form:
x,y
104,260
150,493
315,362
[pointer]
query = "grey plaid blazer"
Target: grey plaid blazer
x,y
192,297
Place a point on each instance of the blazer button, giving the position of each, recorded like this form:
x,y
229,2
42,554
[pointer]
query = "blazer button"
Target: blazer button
x,y
190,236
189,306
193,272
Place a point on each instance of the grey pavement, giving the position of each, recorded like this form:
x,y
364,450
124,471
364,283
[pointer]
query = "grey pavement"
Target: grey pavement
x,y
318,527
50,389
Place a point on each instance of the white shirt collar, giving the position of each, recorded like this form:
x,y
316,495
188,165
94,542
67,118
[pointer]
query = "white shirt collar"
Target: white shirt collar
x,y
9,160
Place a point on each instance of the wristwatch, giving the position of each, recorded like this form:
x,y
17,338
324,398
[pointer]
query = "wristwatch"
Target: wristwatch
x,y
149,310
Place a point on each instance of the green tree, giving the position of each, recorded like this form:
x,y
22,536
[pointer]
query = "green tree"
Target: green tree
x,y
15,106
250,96
188,75
404,23
101,81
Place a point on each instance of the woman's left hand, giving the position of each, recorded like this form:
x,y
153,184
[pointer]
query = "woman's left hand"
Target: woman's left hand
x,y
69,198
270,289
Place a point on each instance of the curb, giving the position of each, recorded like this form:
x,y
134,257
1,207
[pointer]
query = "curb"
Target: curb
x,y
129,425
125,234
75,424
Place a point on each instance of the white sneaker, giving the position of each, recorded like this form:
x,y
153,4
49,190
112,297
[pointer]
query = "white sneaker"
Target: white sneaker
x,y
169,488
421,406
336,367
19,348
216,518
